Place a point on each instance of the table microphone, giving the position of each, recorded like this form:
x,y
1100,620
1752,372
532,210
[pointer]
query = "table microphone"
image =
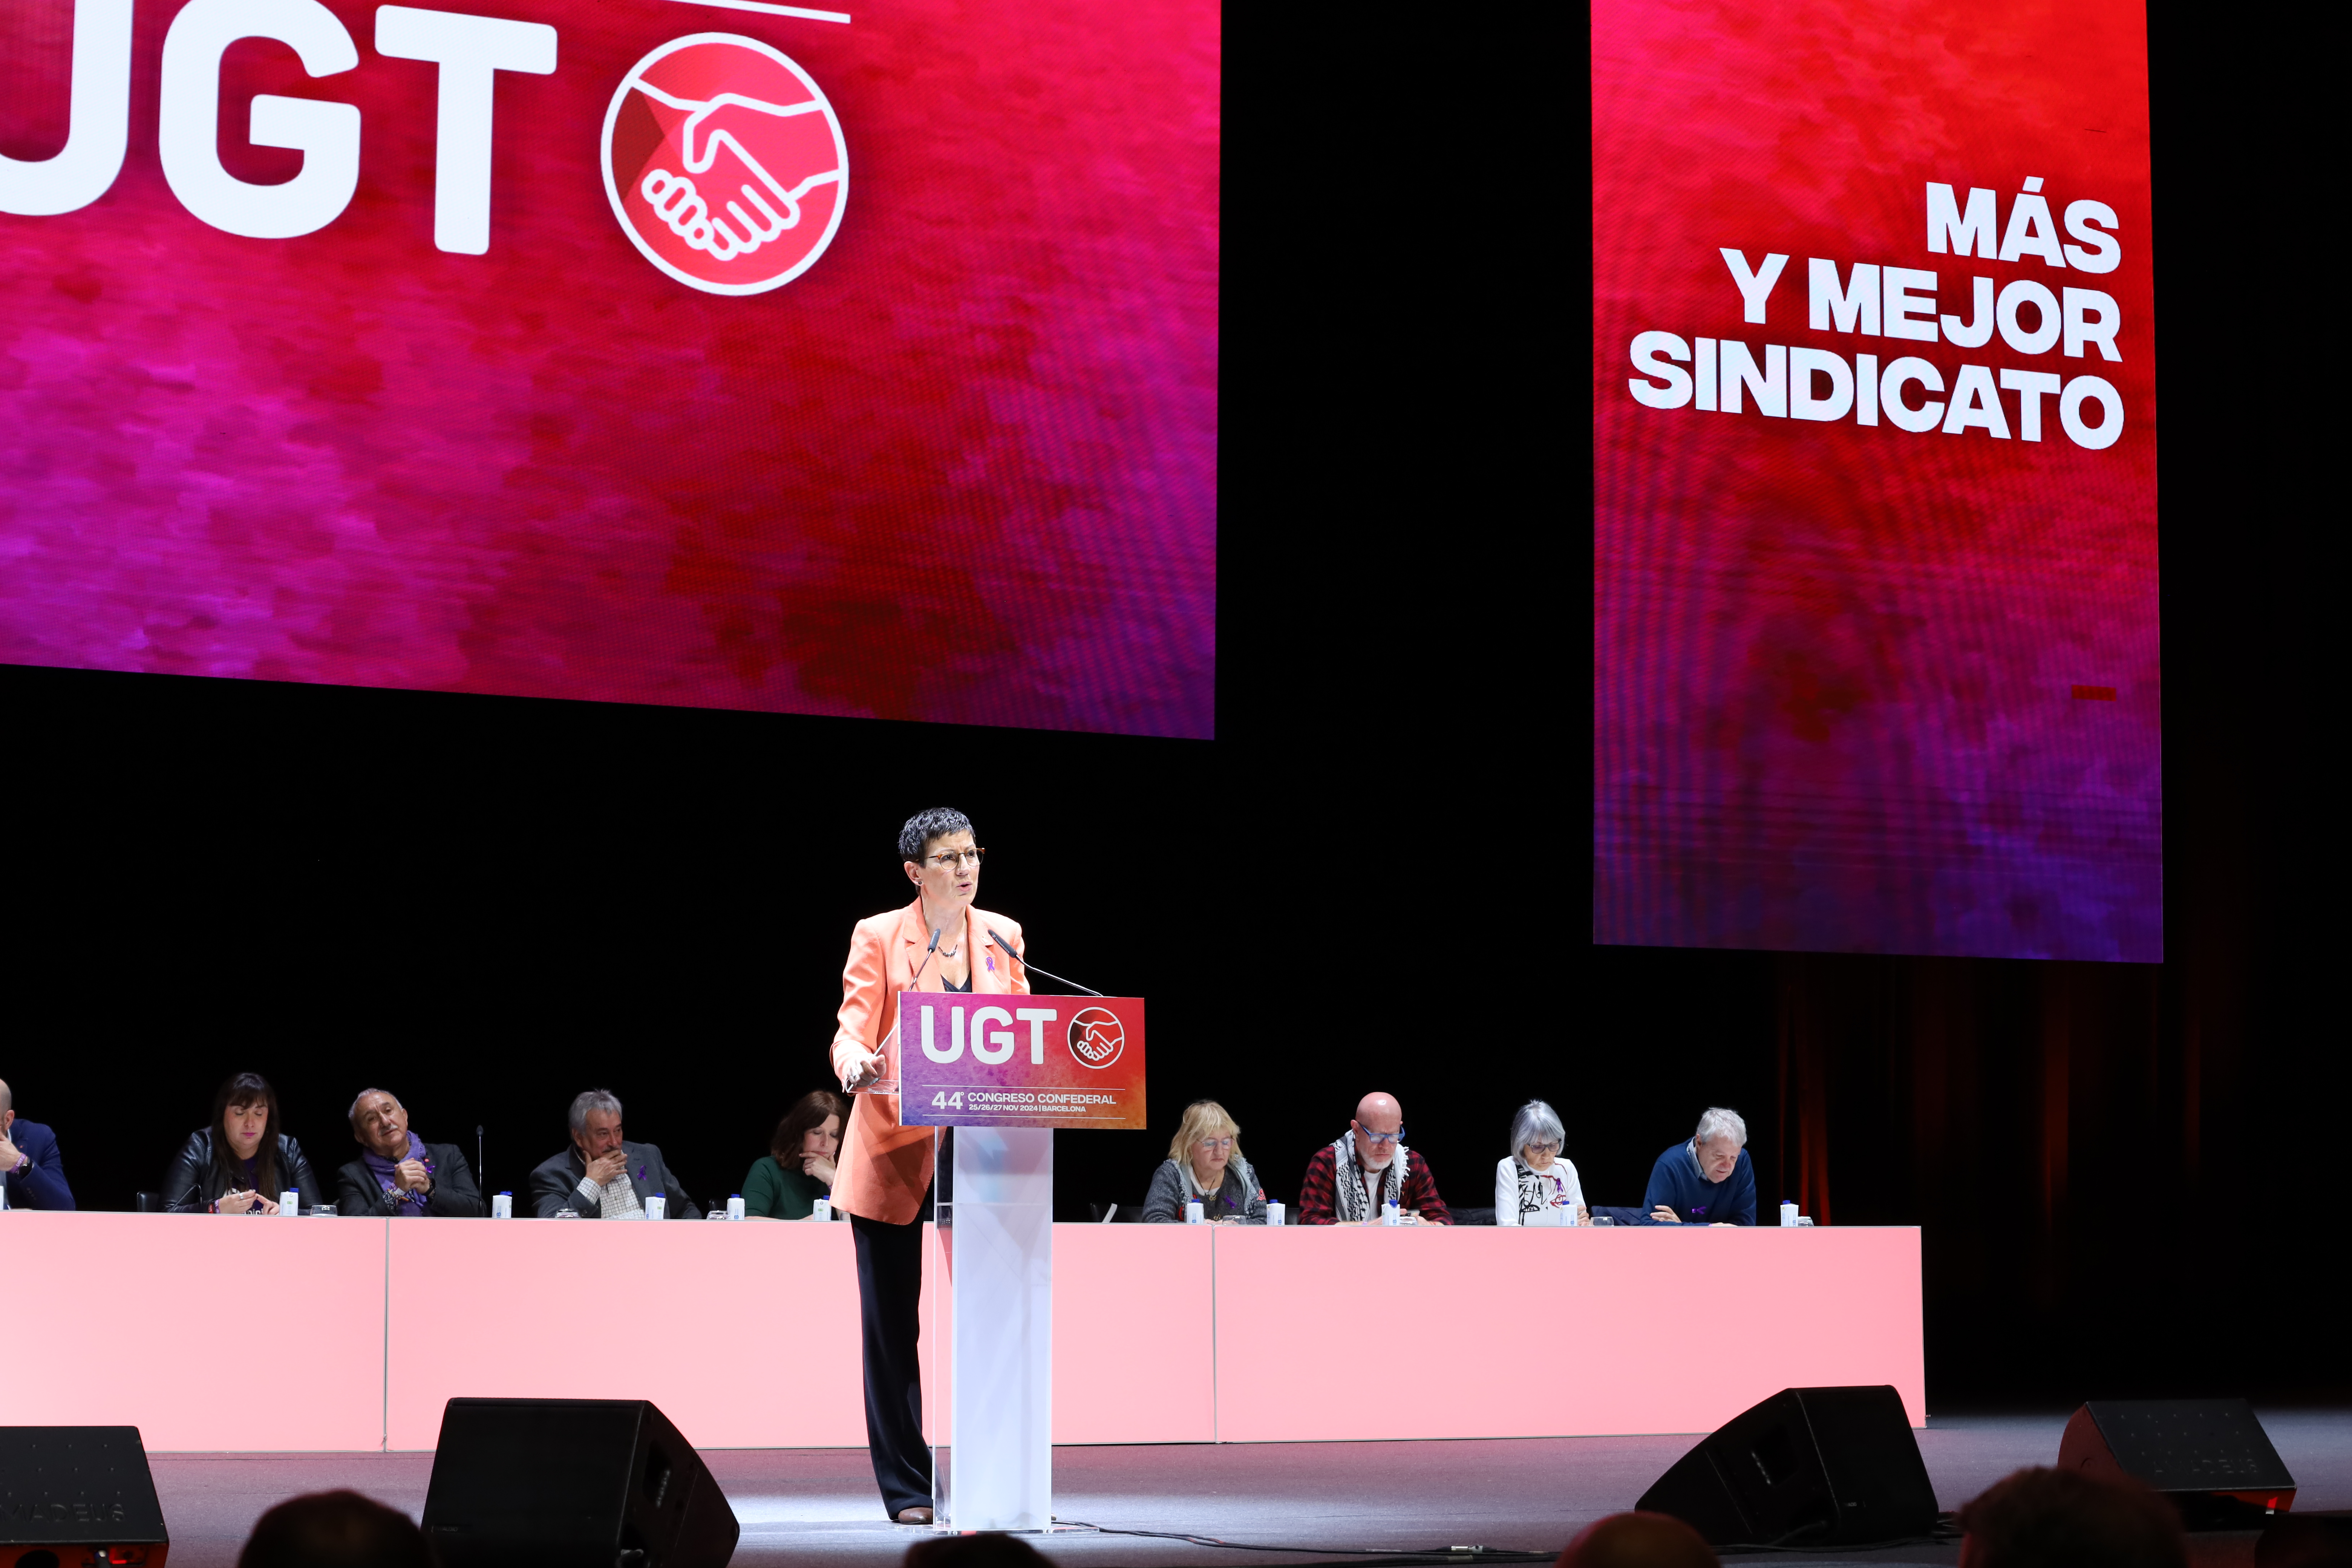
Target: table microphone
x,y
1084,990
481,1175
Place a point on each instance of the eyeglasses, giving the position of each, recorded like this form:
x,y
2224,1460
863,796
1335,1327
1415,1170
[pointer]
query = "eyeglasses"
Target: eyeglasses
x,y
1380,1138
1213,1143
956,858
1543,1146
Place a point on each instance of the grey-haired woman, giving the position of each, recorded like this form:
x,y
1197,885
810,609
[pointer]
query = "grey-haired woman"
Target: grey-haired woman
x,y
1536,1184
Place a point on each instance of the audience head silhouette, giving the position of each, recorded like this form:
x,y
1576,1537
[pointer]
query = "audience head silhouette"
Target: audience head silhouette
x,y
1638,1541
335,1530
2061,1519
983,1551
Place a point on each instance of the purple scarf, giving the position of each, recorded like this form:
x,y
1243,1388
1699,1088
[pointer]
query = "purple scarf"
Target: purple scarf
x,y
411,1204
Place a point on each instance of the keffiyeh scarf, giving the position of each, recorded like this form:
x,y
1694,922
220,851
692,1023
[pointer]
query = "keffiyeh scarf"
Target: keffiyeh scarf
x,y
1347,1199
1539,1190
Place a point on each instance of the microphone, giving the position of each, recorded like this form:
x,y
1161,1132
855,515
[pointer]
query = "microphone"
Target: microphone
x,y
926,958
1008,947
933,948
481,1176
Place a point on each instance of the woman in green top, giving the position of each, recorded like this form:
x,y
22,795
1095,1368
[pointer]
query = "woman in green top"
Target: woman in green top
x,y
797,1169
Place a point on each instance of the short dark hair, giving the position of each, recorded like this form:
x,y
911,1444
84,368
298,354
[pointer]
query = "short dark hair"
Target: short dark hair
x,y
2041,1517
807,1113
926,826
335,1530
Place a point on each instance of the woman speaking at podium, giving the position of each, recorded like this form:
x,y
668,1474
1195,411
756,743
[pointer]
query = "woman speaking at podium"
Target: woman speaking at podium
x,y
938,942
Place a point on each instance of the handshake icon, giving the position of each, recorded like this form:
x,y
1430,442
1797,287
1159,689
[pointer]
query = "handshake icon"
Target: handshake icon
x,y
725,202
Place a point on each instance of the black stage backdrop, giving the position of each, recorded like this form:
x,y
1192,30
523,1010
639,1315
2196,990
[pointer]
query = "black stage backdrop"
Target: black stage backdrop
x,y
2130,1178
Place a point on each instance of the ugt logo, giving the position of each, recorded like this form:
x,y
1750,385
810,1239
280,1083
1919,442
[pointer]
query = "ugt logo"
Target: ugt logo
x,y
725,163
1096,1036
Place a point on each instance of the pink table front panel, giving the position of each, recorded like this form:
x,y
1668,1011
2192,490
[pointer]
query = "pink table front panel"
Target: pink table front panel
x,y
746,1336
209,1332
353,1334
1134,1343
1337,1333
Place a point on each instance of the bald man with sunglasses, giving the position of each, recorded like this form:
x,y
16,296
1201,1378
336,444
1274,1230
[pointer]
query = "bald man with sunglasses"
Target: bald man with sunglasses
x,y
1350,1180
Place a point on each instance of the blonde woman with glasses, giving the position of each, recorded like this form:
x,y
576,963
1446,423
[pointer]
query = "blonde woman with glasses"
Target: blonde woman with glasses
x,y
1536,1184
1204,1165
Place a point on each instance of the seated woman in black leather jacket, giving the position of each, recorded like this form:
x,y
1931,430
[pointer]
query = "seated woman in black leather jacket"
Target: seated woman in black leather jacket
x,y
241,1162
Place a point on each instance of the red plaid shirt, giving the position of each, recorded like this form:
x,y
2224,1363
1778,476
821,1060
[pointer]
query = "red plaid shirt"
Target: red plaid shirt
x,y
1317,1205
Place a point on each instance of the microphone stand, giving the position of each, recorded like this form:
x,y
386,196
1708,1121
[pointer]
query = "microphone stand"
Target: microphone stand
x,y
927,959
1059,980
933,948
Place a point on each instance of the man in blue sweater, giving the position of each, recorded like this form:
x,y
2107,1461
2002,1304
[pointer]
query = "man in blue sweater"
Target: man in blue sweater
x,y
1707,1180
28,1161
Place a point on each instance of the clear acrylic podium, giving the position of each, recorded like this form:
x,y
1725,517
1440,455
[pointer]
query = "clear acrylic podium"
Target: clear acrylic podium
x,y
1003,1071
991,1273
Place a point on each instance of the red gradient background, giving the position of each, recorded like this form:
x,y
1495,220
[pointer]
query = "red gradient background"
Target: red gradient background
x,y
1835,667
963,469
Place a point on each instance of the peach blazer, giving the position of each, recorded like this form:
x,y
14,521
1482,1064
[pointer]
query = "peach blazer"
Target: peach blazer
x,y
885,1167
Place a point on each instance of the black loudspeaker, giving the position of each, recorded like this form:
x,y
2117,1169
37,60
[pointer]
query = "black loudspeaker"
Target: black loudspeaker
x,y
1810,1467
70,1494
2209,1457
572,1483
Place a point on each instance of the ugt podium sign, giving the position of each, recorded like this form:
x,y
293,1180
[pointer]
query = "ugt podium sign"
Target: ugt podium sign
x,y
1020,1061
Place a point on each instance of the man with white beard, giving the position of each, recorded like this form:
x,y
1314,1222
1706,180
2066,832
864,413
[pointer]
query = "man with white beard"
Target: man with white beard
x,y
1349,1181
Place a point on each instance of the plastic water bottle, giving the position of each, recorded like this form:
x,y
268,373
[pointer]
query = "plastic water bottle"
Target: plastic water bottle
x,y
657,1207
823,1209
1195,1214
1273,1214
735,1207
1389,1215
1787,1212
502,1206
290,1206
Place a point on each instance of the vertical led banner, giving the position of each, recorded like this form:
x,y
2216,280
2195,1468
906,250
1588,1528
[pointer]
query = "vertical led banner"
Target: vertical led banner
x,y
1875,555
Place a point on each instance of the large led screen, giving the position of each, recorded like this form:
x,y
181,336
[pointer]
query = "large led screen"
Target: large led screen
x,y
1874,560
853,361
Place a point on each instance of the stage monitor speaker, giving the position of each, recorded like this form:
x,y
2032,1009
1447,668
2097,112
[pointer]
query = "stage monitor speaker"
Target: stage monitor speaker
x,y
1810,1467
572,1483
2208,1457
73,1494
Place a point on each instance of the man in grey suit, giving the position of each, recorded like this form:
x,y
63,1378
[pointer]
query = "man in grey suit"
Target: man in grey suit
x,y
603,1176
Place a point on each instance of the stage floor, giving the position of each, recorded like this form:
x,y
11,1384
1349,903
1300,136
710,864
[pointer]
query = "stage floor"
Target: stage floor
x,y
816,1508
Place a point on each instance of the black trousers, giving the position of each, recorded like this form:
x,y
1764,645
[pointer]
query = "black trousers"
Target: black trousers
x,y
889,1298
